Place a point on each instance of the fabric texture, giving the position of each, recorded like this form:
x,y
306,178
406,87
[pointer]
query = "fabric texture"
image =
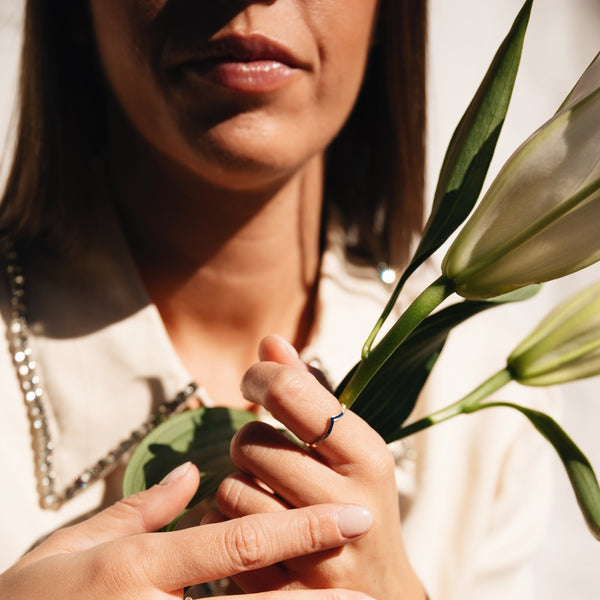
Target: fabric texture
x,y
473,506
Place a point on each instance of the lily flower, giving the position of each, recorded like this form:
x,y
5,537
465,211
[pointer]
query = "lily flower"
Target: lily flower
x,y
539,219
565,346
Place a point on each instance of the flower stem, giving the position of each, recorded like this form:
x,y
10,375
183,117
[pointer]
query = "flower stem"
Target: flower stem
x,y
467,404
366,350
423,305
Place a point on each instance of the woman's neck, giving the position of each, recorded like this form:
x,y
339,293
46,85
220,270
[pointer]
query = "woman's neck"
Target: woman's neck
x,y
225,268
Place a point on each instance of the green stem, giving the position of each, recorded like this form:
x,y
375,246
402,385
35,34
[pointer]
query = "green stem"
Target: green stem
x,y
424,304
467,404
366,349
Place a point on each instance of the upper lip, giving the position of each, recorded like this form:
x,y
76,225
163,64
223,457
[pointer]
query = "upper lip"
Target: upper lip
x,y
238,48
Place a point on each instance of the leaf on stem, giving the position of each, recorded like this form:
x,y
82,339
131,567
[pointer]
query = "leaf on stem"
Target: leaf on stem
x,y
468,155
474,141
391,394
579,470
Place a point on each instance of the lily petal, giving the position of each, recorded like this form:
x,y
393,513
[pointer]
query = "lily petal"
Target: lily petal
x,y
565,345
539,219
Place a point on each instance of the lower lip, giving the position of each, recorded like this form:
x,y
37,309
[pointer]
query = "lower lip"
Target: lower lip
x,y
255,77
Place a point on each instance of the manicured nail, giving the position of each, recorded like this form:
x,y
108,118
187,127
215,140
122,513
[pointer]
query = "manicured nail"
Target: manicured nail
x,y
176,474
354,521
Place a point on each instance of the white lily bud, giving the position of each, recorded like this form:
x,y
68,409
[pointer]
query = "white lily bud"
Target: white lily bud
x,y
540,219
565,345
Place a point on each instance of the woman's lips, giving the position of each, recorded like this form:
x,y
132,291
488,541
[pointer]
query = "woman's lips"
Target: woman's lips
x,y
257,76
248,64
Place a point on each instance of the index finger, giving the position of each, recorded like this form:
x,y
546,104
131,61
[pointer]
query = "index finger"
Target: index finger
x,y
207,552
296,399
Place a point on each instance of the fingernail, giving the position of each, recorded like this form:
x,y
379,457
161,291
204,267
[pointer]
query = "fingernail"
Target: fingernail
x,y
176,474
354,521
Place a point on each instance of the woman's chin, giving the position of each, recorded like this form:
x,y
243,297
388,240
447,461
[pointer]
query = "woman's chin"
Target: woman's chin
x,y
247,164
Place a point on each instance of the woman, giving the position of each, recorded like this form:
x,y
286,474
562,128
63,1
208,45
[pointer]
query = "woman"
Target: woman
x,y
180,168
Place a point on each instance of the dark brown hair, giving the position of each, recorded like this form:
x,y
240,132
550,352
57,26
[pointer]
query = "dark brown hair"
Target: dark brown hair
x,y
375,166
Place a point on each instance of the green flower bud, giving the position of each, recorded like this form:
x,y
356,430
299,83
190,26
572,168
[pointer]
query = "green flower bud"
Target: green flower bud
x,y
565,345
539,219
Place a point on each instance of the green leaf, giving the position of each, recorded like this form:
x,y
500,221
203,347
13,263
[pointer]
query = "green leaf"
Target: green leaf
x,y
468,155
391,394
202,436
472,146
578,467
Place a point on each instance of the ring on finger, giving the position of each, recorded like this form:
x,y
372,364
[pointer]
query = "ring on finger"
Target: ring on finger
x,y
330,423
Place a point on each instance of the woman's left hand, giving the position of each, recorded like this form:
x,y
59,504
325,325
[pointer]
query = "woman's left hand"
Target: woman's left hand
x,y
352,465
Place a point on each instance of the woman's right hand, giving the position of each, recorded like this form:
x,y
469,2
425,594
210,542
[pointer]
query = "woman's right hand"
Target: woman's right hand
x,y
115,554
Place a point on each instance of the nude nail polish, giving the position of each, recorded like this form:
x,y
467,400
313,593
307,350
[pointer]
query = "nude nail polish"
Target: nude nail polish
x,y
354,521
176,474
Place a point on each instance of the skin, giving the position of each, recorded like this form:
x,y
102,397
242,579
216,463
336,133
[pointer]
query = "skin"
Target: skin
x,y
242,173
114,555
219,194
243,176
215,132
353,463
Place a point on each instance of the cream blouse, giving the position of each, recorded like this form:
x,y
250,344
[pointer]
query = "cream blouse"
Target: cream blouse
x,y
474,492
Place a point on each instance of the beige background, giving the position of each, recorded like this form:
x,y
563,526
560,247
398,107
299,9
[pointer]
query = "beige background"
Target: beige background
x,y
562,39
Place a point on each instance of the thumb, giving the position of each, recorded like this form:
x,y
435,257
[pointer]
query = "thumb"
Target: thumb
x,y
143,512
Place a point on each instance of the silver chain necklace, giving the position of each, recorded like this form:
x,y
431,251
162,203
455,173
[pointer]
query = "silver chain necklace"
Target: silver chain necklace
x,y
36,399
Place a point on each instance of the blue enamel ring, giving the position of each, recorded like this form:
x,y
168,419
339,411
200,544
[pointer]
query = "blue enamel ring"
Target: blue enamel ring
x,y
330,423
